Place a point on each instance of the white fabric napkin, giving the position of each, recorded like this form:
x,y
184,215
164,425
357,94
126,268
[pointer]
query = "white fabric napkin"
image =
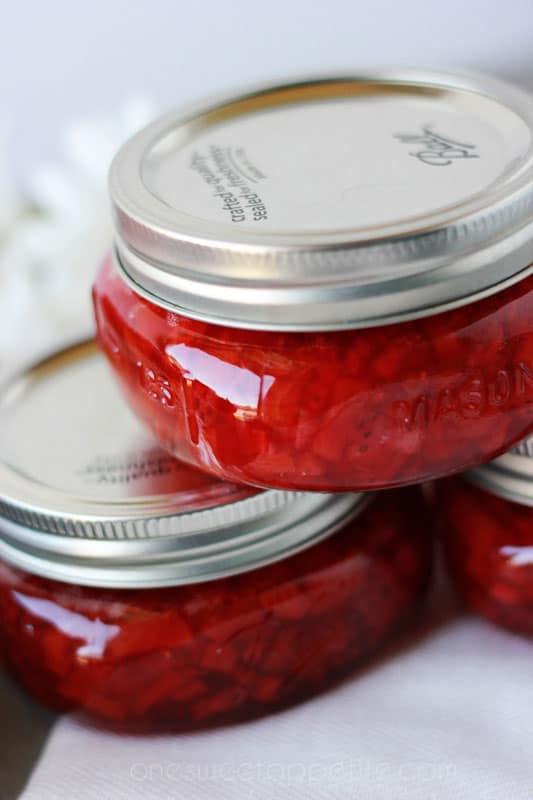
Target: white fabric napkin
x,y
447,715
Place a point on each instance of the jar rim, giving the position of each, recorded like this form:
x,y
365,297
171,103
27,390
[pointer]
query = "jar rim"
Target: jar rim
x,y
510,476
74,509
436,169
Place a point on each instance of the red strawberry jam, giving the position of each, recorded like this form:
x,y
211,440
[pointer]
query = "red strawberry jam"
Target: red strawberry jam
x,y
326,411
222,650
488,536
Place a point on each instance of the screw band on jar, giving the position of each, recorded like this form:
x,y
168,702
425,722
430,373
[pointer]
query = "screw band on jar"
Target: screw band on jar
x,y
509,476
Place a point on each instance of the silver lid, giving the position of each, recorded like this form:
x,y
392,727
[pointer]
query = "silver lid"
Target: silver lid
x,y
332,203
510,476
87,497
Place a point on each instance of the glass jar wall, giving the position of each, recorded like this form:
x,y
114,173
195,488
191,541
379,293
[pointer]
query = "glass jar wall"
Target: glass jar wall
x,y
488,542
194,655
326,411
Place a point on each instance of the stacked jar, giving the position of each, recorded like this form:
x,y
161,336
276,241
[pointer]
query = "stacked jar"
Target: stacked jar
x,y
151,596
316,291
486,517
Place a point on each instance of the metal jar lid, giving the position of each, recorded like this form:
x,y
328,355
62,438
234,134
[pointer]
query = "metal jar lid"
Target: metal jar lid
x,y
87,497
331,203
510,476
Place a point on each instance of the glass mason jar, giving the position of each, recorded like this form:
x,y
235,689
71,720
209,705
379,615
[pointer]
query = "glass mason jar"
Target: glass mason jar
x,y
487,526
328,286
148,596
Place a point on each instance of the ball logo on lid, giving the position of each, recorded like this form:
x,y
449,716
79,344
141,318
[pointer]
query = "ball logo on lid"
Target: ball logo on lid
x,y
436,150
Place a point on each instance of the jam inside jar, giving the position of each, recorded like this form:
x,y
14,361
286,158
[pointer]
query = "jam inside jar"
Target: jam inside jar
x,y
326,411
486,521
312,288
180,658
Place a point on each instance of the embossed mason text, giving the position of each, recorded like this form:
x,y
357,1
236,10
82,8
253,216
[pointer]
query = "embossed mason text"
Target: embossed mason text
x,y
475,396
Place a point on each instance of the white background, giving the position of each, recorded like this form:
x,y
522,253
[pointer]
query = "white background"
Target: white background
x,y
62,59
